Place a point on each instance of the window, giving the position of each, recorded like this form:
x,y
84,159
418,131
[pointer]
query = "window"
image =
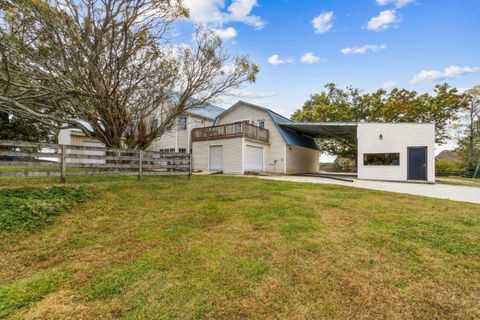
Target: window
x,y
171,150
381,159
182,150
155,123
198,124
182,123
261,123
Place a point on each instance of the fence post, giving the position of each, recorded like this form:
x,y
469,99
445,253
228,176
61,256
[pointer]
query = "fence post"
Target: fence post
x,y
140,162
63,164
189,165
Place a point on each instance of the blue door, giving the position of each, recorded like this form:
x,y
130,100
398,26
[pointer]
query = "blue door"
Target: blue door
x,y
417,163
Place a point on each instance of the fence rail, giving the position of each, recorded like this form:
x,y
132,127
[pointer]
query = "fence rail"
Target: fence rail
x,y
465,174
21,158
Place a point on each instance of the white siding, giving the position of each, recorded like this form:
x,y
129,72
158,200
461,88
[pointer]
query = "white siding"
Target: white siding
x,y
396,138
178,139
274,152
77,138
232,155
302,160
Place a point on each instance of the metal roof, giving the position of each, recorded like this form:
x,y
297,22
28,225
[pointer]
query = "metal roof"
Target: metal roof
x,y
208,111
290,136
343,130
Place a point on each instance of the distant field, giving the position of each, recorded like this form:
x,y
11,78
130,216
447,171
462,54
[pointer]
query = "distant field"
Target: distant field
x,y
216,247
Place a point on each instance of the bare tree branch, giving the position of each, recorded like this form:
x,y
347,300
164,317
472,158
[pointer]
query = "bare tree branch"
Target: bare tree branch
x,y
110,63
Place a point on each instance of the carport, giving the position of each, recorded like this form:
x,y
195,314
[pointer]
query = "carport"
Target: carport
x,y
386,151
327,130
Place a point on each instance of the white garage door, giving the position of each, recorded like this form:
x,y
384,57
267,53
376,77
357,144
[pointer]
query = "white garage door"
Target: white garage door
x,y
216,158
254,159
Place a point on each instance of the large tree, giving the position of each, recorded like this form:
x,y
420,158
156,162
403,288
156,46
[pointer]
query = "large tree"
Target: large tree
x,y
109,63
398,105
469,142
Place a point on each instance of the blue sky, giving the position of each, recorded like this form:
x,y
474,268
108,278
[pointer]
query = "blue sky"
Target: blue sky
x,y
405,43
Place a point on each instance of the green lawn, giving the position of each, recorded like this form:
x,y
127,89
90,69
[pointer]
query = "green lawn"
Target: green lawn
x,y
216,247
459,181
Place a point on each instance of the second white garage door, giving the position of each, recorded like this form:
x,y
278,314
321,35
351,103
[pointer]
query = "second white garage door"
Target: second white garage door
x,y
253,159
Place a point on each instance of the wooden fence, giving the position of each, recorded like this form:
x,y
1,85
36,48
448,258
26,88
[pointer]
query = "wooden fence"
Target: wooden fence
x,y
19,158
465,174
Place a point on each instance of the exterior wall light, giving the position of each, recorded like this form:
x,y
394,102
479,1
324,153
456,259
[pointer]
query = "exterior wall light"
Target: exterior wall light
x,y
381,136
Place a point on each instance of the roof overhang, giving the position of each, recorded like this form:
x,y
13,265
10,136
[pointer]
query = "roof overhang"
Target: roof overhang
x,y
334,130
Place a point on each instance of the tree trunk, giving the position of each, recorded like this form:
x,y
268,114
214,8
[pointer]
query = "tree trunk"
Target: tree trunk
x,y
477,169
471,146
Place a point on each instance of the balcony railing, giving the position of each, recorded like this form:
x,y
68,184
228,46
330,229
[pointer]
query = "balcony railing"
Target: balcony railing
x,y
231,130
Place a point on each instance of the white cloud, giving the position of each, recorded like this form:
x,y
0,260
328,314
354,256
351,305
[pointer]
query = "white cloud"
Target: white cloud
x,y
276,60
323,22
448,73
396,3
364,49
213,11
389,85
383,21
229,69
228,33
205,11
240,11
252,94
310,57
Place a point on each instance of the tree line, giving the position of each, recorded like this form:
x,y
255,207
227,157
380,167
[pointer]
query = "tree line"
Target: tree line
x,y
456,115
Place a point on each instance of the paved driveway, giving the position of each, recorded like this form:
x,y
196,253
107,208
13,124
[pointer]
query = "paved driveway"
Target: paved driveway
x,y
441,191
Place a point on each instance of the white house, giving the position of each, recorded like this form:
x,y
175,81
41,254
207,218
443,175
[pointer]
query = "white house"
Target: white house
x,y
176,139
249,138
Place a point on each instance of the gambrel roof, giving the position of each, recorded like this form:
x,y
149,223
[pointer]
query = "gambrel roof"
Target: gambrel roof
x,y
290,136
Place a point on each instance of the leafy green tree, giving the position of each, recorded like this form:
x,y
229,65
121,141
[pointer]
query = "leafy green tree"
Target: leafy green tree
x,y
469,143
398,105
15,128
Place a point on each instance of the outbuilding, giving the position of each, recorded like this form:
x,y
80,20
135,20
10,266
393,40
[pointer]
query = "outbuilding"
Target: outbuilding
x,y
386,151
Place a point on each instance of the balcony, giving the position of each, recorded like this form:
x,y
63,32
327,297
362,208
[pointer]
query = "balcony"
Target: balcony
x,y
231,130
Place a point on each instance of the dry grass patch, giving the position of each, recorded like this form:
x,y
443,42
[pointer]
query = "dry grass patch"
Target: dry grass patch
x,y
242,248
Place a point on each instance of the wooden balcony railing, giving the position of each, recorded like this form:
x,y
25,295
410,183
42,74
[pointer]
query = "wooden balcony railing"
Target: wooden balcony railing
x,y
231,130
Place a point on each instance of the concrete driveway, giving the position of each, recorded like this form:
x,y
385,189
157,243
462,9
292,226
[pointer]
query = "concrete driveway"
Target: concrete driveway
x,y
441,191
